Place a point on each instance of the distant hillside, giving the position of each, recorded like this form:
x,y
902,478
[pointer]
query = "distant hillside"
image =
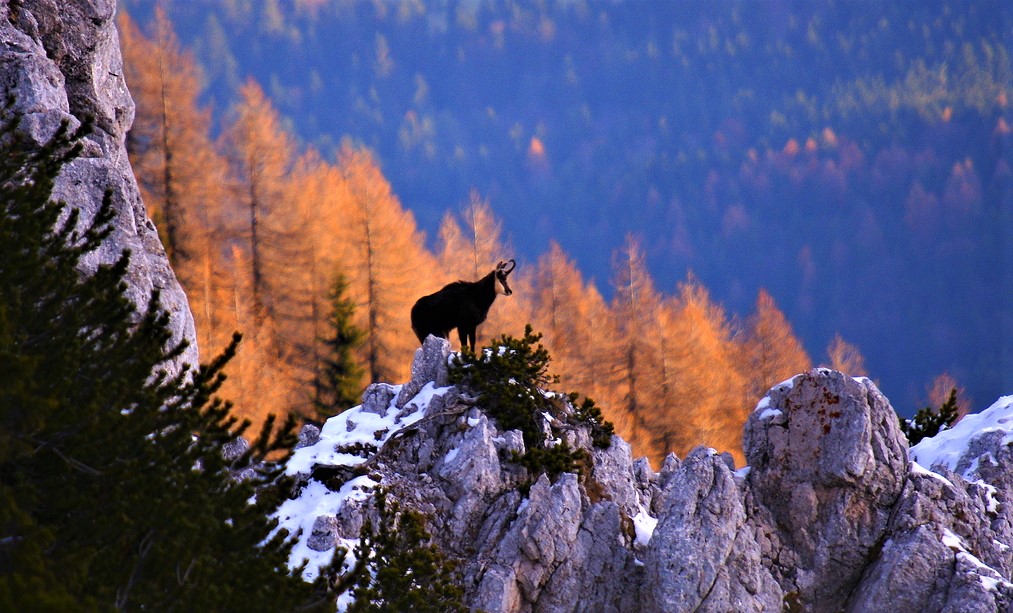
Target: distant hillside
x,y
853,160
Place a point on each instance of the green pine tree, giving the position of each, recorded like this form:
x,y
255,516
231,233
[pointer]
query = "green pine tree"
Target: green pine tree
x,y
340,375
509,378
114,489
400,568
929,421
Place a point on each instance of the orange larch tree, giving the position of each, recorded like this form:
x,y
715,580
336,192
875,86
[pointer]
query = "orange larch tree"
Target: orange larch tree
x,y
262,155
770,350
635,311
386,266
707,387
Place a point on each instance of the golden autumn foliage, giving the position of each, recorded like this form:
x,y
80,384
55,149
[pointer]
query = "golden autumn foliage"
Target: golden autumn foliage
x,y
770,350
383,256
470,246
259,231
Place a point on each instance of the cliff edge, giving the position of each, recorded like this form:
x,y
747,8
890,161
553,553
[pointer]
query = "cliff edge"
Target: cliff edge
x,y
61,61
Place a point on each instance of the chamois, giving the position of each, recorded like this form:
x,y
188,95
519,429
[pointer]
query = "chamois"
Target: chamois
x,y
462,305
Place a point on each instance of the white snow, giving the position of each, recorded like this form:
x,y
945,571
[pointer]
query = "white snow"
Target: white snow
x,y
918,469
952,541
644,524
991,502
947,447
785,385
990,578
743,472
451,455
764,403
298,515
343,431
522,506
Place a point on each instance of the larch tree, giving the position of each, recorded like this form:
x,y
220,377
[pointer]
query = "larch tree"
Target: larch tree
x,y
318,206
180,174
708,388
556,291
635,310
471,248
262,154
262,379
384,264
598,353
267,255
770,350
845,357
672,421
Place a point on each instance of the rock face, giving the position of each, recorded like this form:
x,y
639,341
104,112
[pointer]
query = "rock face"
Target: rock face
x,y
61,60
830,515
828,463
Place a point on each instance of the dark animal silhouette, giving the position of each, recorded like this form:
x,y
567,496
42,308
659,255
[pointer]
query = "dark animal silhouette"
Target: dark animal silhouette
x,y
462,305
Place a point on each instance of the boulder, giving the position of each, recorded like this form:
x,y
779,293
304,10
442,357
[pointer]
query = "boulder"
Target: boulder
x,y
827,461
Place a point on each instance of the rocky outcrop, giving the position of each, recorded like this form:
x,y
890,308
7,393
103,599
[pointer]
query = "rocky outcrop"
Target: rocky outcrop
x,y
827,467
61,61
830,514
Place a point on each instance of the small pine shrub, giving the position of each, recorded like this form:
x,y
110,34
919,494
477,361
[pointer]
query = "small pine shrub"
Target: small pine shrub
x,y
400,569
589,413
929,422
509,378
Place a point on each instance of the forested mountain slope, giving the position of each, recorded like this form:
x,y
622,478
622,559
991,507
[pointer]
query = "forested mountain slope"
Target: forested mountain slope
x,y
853,161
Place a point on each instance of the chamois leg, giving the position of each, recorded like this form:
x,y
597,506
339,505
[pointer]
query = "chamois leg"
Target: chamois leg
x,y
467,336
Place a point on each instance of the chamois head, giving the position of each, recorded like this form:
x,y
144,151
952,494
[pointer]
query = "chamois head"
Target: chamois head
x,y
501,272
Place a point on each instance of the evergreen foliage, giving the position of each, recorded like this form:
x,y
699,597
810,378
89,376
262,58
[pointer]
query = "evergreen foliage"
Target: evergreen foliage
x,y
338,381
114,490
509,377
929,421
589,413
400,569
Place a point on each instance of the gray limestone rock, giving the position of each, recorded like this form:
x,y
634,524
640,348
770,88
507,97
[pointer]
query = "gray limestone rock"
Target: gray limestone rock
x,y
829,516
61,60
308,436
429,365
702,555
828,461
324,533
376,398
